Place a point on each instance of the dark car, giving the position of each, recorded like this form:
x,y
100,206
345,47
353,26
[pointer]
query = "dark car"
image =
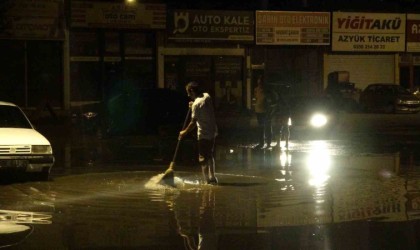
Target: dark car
x,y
344,95
388,98
313,111
313,116
134,112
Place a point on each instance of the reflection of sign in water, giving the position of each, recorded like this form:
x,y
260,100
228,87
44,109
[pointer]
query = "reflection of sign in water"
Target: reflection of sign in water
x,y
365,188
12,216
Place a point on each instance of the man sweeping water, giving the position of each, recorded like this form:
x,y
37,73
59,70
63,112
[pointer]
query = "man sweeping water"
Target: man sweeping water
x,y
202,117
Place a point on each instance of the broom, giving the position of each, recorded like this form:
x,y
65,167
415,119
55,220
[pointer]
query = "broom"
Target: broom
x,y
169,176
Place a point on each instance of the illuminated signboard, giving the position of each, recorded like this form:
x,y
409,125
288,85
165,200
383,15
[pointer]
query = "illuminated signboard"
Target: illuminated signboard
x,y
368,32
208,25
292,28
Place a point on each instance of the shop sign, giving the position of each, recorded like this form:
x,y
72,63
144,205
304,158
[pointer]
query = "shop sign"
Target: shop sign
x,y
28,19
210,25
292,28
413,32
118,15
368,32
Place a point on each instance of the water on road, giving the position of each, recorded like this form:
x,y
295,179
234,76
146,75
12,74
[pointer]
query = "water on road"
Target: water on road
x,y
316,195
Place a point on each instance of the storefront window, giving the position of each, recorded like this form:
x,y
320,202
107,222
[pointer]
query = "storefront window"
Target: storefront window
x,y
29,78
139,65
221,77
12,71
85,81
228,82
45,81
140,73
85,67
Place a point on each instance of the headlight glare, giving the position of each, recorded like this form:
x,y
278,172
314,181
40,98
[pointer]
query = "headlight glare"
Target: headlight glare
x,y
41,149
318,120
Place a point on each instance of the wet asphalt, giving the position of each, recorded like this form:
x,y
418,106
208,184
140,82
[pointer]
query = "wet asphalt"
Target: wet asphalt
x,y
356,186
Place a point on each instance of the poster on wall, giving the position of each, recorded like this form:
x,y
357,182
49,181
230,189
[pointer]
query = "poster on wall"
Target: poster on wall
x,y
292,28
118,15
413,32
228,81
207,25
28,19
368,32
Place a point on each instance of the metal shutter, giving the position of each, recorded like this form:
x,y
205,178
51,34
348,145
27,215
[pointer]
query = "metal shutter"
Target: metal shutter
x,y
363,69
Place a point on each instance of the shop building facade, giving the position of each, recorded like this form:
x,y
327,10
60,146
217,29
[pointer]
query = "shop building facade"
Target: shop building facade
x,y
83,52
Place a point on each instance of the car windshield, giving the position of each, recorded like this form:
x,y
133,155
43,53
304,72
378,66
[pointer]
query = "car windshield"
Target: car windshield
x,y
12,117
401,90
389,89
310,104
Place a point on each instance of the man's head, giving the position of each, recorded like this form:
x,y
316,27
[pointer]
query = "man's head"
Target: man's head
x,y
193,90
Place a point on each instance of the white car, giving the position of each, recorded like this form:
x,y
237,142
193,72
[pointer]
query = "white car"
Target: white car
x,y
22,148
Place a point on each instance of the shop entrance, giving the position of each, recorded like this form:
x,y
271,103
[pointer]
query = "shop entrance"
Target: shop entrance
x,y
221,77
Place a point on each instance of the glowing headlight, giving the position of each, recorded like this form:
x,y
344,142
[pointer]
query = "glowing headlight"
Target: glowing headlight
x,y
41,149
318,120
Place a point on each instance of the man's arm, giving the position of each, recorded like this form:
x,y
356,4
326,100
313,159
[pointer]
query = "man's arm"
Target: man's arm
x,y
190,127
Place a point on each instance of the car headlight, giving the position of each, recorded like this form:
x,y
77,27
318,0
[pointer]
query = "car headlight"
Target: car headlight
x,y
318,120
41,149
399,101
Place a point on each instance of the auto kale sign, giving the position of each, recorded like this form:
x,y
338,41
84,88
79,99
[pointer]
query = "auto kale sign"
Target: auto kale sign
x,y
368,32
207,25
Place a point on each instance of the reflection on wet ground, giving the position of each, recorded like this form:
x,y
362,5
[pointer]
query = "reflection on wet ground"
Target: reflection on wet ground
x,y
316,195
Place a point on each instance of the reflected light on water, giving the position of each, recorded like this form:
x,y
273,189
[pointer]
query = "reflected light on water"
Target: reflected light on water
x,y
285,159
318,163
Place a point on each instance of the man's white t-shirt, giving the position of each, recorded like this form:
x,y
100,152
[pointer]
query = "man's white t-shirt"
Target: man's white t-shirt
x,y
203,112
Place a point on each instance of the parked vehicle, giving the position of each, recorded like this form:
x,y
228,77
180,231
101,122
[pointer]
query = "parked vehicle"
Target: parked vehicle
x,y
388,98
343,93
135,112
311,116
22,148
315,112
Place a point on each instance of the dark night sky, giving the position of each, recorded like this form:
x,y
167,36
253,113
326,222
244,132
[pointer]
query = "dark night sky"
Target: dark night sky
x,y
301,5
399,6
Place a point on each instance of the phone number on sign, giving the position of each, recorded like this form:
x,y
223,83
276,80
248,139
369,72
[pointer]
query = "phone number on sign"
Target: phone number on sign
x,y
369,46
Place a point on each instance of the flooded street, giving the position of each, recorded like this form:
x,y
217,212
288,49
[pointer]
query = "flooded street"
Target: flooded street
x,y
319,194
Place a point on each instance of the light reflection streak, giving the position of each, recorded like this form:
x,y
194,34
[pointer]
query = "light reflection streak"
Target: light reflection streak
x,y
285,159
318,164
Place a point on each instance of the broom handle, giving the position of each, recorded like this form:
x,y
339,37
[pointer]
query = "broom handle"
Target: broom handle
x,y
179,140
